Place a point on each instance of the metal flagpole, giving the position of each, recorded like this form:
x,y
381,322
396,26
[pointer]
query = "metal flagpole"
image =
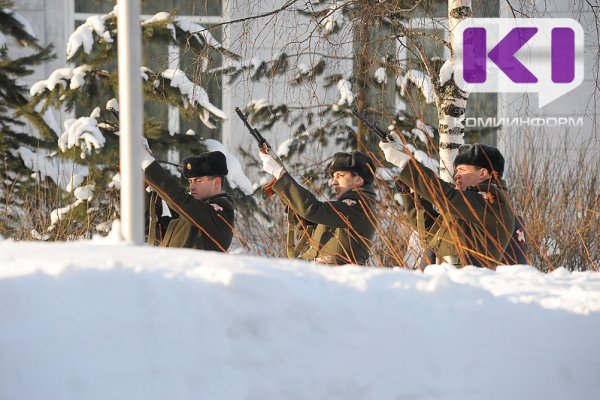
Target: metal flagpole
x,y
130,120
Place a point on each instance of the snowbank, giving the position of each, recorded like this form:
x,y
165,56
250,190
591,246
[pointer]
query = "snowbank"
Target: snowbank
x,y
94,320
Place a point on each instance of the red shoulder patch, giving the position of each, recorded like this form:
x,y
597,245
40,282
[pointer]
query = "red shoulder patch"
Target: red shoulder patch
x,y
216,207
487,196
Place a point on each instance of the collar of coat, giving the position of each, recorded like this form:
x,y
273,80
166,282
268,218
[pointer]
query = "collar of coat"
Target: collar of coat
x,y
485,185
221,195
359,193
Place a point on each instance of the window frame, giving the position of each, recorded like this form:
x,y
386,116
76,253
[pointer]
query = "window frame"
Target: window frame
x,y
173,55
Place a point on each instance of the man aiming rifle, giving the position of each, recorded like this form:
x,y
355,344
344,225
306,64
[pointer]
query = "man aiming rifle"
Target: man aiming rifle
x,y
341,231
199,218
474,220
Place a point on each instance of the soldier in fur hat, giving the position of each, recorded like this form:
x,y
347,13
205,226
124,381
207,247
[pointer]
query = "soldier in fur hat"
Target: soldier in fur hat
x,y
201,218
468,223
339,231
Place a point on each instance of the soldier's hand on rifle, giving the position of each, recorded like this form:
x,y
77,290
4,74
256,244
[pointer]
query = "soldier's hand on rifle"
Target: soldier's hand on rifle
x,y
394,153
147,158
270,165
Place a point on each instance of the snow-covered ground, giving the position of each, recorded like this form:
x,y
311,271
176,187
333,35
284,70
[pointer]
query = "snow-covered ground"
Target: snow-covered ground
x,y
102,320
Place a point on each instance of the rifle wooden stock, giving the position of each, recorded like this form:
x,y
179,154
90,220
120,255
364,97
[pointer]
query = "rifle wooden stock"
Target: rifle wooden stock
x,y
267,190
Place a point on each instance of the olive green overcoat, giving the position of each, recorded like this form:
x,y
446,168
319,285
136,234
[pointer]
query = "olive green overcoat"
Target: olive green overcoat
x,y
343,229
474,225
198,224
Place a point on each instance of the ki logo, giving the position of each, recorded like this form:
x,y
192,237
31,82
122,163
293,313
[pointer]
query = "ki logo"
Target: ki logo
x,y
535,55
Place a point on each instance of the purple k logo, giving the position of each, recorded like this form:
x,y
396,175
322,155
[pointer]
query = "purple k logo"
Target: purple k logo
x,y
539,55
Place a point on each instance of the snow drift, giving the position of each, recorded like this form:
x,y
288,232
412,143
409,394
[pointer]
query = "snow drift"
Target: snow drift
x,y
94,320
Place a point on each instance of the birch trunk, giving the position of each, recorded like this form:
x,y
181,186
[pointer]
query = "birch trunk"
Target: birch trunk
x,y
452,102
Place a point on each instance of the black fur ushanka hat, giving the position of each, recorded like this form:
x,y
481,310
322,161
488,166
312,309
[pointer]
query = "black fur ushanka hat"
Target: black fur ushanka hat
x,y
212,163
357,162
482,156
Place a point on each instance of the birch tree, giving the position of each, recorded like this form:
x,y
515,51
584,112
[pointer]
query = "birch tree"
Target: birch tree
x,y
452,100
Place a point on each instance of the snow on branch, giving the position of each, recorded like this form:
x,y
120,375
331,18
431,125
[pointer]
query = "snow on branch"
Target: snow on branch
x,y
380,75
264,114
308,72
75,182
84,34
422,130
333,20
43,163
196,29
257,105
186,25
73,77
112,105
161,18
84,193
421,80
346,95
446,72
231,67
83,133
158,18
195,95
59,214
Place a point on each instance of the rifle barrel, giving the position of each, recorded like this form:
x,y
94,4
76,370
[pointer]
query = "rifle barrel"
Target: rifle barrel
x,y
264,147
372,126
262,142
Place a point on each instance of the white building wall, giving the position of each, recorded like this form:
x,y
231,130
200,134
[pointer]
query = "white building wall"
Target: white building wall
x,y
259,37
264,38
290,32
49,20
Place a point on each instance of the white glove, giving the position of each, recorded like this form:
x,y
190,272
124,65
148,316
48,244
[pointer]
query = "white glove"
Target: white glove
x,y
394,153
270,165
147,158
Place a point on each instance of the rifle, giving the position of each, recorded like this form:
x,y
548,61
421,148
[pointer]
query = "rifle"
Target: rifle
x,y
383,135
264,147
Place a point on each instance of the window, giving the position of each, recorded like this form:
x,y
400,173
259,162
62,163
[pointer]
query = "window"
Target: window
x,y
158,58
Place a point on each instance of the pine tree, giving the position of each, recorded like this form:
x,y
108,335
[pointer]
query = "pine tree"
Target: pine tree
x,y
17,184
377,82
88,88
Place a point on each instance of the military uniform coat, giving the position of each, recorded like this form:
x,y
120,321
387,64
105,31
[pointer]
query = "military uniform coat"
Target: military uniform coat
x,y
344,228
475,225
198,224
516,251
